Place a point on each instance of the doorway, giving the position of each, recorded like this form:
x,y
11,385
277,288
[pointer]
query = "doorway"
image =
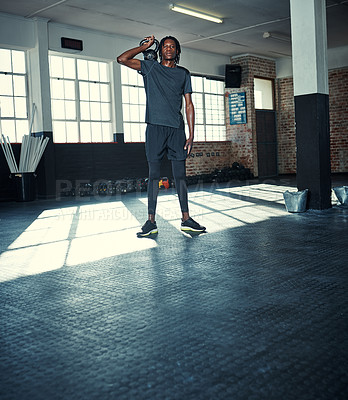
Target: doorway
x,y
266,137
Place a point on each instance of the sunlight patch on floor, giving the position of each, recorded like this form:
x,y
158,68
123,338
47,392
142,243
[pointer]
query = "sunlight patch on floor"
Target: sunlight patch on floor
x,y
32,260
101,218
89,233
271,193
44,230
97,247
218,212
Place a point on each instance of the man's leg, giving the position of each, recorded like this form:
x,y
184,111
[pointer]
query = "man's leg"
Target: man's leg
x,y
152,188
179,173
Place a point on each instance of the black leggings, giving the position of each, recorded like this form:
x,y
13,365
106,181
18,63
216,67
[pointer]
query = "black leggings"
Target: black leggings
x,y
179,173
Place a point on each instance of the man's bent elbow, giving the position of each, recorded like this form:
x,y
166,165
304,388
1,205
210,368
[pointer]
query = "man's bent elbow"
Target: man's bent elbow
x,y
120,60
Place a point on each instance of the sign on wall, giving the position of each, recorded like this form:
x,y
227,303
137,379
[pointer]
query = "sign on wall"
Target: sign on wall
x,y
237,107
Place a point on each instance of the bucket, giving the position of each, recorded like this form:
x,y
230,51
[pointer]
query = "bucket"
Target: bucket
x,y
341,193
295,202
25,186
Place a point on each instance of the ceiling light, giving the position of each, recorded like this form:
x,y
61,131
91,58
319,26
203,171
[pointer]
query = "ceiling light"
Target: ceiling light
x,y
196,14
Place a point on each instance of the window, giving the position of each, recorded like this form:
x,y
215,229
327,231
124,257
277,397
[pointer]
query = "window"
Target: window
x,y
209,100
263,94
13,95
81,101
133,105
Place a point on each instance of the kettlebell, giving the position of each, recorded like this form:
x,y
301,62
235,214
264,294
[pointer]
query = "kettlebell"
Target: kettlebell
x,y
150,54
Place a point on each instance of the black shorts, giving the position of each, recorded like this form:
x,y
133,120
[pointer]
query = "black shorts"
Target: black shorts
x,y
161,140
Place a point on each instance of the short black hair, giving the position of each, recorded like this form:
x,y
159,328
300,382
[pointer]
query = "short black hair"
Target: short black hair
x,y
177,44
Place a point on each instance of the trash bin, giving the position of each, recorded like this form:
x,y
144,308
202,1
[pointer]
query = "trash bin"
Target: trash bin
x,y
341,193
25,186
295,202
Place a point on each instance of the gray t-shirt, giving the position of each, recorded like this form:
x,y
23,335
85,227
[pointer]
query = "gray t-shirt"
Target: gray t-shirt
x,y
164,87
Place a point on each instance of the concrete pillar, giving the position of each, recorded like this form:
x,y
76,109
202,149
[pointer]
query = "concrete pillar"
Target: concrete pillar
x,y
42,125
311,91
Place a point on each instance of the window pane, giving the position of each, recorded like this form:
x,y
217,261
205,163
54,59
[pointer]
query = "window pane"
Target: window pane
x,y
209,133
58,109
263,89
59,134
105,112
126,112
93,71
69,92
142,110
133,77
57,89
134,113
94,92
7,107
106,131
96,132
133,94
56,66
95,111
84,110
124,75
142,132
5,60
142,96
103,70
127,132
20,107
19,86
125,94
22,128
18,62
197,83
85,132
199,133
84,91
69,68
72,132
82,69
104,93
70,112
8,128
6,85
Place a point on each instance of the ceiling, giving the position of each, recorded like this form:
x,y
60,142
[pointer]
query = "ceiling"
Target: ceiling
x,y
245,21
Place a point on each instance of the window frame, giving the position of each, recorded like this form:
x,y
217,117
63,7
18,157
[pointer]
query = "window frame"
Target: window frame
x,y
127,84
16,136
273,94
79,120
206,93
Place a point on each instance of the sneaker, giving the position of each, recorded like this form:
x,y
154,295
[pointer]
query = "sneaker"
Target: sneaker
x,y
147,229
192,225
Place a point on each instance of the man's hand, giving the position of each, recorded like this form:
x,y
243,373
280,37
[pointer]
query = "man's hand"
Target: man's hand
x,y
188,146
149,42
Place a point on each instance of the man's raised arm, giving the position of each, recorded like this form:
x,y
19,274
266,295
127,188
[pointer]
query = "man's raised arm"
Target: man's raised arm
x,y
127,58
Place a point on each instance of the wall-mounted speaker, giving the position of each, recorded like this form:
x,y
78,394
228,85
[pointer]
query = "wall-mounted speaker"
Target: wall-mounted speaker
x,y
233,76
73,44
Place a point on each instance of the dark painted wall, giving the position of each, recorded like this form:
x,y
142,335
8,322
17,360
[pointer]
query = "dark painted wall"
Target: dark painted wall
x,y
88,161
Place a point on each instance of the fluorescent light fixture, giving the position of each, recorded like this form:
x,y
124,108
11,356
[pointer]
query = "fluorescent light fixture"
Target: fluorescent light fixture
x,y
196,14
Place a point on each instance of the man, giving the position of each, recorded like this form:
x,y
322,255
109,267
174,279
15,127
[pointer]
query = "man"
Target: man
x,y
165,85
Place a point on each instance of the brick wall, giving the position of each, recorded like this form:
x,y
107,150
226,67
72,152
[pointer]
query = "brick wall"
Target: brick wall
x,y
338,89
286,137
208,156
243,136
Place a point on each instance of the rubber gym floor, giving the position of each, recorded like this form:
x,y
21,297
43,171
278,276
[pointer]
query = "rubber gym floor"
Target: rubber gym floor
x,y
256,308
